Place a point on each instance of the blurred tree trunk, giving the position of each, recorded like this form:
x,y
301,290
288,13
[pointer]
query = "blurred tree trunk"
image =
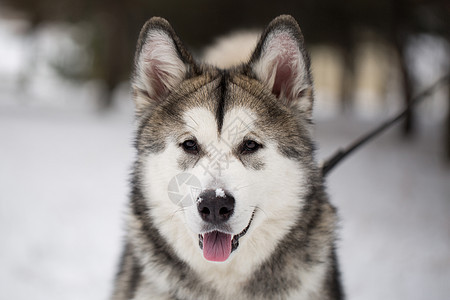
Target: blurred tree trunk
x,y
399,31
114,25
406,85
348,80
447,131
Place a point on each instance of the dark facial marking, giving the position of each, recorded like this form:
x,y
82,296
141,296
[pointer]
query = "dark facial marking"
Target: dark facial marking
x,y
222,89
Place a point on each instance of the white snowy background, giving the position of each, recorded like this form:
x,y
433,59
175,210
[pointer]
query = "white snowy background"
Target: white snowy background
x,y
64,171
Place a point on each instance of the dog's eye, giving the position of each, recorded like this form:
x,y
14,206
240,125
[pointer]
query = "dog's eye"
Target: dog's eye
x,y
250,146
190,146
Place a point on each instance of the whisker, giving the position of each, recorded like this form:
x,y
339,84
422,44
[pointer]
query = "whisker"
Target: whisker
x,y
190,126
260,209
181,209
244,186
193,120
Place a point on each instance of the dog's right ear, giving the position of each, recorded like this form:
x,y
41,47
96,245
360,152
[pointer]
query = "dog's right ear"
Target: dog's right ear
x,y
161,63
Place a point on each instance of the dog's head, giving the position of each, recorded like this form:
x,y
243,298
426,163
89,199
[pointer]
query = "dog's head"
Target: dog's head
x,y
223,153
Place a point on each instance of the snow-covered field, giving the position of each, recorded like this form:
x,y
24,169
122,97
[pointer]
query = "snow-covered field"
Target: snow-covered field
x,y
63,189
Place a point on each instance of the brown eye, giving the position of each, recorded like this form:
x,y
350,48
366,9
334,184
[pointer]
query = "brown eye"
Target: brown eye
x,y
190,146
250,146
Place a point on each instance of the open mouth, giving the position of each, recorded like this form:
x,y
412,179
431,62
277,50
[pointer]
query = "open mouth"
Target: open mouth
x,y
217,245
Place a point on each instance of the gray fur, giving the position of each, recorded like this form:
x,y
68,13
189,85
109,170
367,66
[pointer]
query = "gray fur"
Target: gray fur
x,y
288,126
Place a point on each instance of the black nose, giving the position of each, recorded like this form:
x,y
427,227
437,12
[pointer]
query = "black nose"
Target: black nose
x,y
215,206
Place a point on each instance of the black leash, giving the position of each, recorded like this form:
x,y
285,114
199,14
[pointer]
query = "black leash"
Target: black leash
x,y
331,162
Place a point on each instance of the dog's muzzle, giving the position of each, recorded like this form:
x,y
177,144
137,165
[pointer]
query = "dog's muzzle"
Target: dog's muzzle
x,y
215,208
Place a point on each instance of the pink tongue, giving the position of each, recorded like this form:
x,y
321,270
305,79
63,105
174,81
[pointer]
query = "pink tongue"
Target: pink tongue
x,y
216,246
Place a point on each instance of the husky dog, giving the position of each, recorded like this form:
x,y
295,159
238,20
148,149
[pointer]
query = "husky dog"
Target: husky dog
x,y
227,199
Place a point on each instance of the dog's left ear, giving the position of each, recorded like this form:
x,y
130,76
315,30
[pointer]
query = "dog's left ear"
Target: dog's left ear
x,y
281,62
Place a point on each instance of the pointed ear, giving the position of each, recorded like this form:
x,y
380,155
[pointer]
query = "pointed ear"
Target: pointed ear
x,y
282,64
161,64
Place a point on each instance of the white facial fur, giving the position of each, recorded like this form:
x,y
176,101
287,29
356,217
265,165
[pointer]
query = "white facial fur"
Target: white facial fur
x,y
274,192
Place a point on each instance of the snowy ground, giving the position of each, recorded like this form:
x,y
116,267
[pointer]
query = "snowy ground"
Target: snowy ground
x,y
63,188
